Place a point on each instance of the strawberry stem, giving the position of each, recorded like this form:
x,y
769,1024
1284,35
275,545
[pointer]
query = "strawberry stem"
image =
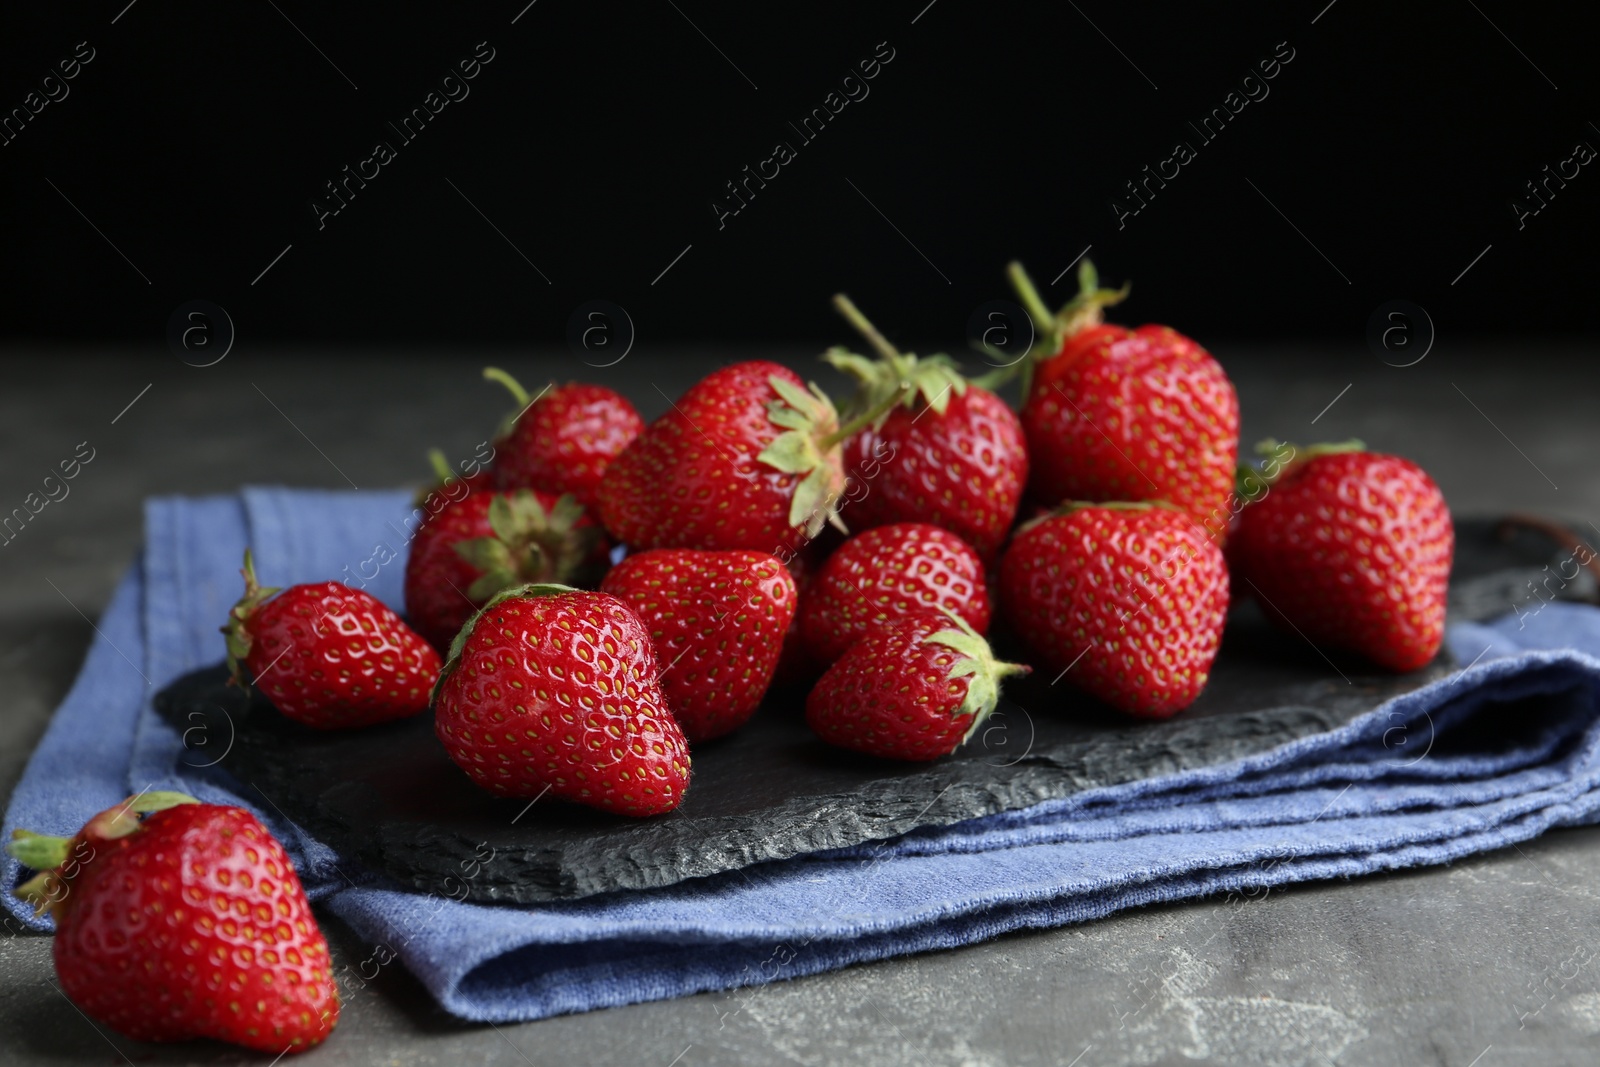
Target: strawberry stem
x,y
123,819
1053,329
1044,321
441,466
1084,310
237,627
864,327
895,377
518,393
41,852
868,417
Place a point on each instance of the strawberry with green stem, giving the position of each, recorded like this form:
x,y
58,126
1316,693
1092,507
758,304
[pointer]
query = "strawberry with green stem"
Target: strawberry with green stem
x,y
947,452
1118,414
550,688
748,458
562,440
1351,549
474,547
326,655
914,690
176,920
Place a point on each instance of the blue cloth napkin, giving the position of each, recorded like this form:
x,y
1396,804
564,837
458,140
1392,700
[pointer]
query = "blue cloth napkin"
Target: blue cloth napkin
x,y
1487,757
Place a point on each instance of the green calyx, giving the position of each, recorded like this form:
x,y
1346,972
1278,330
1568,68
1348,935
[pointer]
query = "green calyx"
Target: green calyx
x,y
978,664
1052,329
237,628
808,446
529,543
1252,480
38,851
518,393
459,642
54,859
893,378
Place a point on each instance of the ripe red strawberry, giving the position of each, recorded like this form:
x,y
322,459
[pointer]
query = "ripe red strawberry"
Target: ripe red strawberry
x,y
327,655
485,542
913,690
717,620
1126,601
1119,414
796,665
887,573
562,440
1353,550
949,453
188,923
747,458
551,688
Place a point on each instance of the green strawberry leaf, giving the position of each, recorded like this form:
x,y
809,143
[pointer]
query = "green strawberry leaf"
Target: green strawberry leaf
x,y
979,666
806,447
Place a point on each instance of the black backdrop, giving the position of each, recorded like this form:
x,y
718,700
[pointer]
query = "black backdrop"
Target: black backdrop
x,y
1377,163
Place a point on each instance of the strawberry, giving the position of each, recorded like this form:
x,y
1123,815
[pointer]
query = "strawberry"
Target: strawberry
x,y
1353,550
949,453
717,620
747,458
552,688
485,542
915,689
187,923
888,572
1119,414
327,655
1126,600
795,663
562,440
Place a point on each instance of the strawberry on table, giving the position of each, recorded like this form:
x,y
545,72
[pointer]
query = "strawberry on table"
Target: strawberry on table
x,y
1352,549
747,458
189,922
327,655
485,542
1118,414
562,440
886,573
915,689
1126,601
717,621
554,689
950,453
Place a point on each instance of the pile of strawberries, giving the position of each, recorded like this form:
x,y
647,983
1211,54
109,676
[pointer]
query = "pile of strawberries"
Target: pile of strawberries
x,y
607,595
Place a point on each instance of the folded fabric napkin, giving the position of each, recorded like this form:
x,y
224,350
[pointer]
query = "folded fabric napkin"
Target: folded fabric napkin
x,y
1487,757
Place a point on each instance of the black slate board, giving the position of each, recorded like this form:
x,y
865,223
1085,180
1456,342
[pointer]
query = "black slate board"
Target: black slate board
x,y
391,799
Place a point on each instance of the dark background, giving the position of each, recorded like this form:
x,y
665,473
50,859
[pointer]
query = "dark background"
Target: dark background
x,y
597,138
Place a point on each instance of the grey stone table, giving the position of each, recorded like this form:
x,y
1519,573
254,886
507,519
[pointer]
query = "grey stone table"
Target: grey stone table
x,y
1487,962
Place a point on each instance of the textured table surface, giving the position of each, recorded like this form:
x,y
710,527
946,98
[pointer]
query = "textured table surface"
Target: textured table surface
x,y
1490,961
